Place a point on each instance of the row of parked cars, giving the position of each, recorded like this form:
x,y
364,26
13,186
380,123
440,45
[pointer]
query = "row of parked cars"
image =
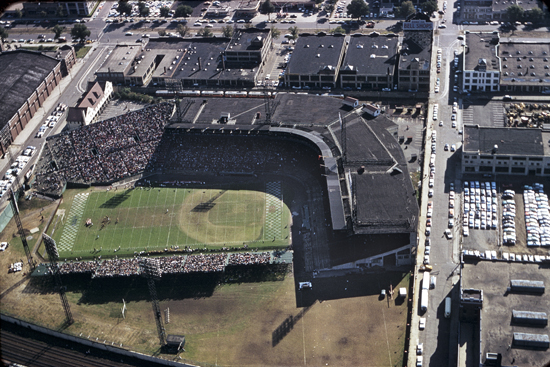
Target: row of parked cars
x,y
15,169
52,120
508,217
480,205
537,215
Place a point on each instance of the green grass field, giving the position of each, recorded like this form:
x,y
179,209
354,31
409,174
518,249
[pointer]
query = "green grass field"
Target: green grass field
x,y
158,218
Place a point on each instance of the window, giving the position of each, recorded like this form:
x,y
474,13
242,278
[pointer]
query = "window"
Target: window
x,y
467,75
519,158
502,169
475,75
467,81
518,170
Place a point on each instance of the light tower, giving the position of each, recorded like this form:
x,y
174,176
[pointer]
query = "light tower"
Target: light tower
x,y
150,269
53,254
20,229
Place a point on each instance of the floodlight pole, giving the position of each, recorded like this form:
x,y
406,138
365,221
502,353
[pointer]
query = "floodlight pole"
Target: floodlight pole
x,y
20,229
150,269
53,254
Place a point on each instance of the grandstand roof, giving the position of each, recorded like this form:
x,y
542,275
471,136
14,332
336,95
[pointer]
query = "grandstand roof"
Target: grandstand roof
x,y
385,200
290,108
21,72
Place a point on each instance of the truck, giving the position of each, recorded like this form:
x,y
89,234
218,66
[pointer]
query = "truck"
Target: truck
x,y
425,282
424,300
447,307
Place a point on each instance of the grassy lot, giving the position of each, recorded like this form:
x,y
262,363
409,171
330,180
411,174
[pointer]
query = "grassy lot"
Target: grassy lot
x,y
81,51
227,324
158,218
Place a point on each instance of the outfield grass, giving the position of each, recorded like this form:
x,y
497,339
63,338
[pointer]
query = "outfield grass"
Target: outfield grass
x,y
162,218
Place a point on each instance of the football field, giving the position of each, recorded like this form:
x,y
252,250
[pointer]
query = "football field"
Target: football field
x,y
154,219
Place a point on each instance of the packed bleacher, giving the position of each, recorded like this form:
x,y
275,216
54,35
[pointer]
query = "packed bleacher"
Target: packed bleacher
x,y
248,258
175,264
106,151
205,263
182,151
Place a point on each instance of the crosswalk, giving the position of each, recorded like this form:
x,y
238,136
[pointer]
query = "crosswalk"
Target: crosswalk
x,y
70,231
273,210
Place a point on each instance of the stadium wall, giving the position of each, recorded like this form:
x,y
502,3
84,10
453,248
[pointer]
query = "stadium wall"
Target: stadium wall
x,y
93,344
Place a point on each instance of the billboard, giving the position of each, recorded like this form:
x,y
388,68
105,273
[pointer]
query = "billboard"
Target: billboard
x,y
418,25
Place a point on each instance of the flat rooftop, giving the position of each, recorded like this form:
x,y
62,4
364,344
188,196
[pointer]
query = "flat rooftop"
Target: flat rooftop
x,y
510,141
21,72
481,47
371,55
496,316
242,110
244,40
313,54
412,53
525,62
307,109
120,60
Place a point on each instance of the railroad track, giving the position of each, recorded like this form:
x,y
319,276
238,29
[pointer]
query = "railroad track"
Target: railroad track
x,y
37,350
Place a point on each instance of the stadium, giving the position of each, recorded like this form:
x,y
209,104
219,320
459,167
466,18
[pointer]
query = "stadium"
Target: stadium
x,y
197,177
216,194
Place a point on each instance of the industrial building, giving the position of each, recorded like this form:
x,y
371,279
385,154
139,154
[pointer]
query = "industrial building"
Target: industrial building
x,y
27,79
514,151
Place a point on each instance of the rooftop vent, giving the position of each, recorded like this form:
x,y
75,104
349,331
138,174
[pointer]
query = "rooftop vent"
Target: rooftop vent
x,y
322,46
306,46
374,46
505,66
518,52
384,46
359,46
530,52
332,46
373,56
532,66
318,55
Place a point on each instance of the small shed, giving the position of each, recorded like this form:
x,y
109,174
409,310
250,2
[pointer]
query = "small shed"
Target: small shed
x,y
175,341
403,292
350,101
373,110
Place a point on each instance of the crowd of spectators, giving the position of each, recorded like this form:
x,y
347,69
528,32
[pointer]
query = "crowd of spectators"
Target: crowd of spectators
x,y
205,263
73,267
183,151
106,151
168,264
248,258
117,268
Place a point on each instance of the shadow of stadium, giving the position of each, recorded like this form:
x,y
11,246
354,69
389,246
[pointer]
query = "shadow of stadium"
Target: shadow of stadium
x,y
170,287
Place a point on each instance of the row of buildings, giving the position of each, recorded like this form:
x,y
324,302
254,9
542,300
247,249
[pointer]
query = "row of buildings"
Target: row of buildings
x,y
318,61
492,64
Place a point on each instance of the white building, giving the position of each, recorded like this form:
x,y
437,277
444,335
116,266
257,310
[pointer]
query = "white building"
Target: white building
x,y
91,105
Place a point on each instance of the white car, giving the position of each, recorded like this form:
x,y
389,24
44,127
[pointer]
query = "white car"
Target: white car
x,y
129,33
453,124
442,26
430,193
419,361
422,323
453,116
453,148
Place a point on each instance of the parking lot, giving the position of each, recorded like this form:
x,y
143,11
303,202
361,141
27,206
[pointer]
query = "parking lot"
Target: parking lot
x,y
508,216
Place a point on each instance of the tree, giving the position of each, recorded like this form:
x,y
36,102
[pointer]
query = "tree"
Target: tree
x,y
514,13
162,32
294,32
338,29
59,12
164,11
3,34
429,6
43,14
124,7
329,8
267,8
534,15
205,32
80,32
143,9
57,29
182,29
227,31
406,9
358,8
275,32
18,13
184,11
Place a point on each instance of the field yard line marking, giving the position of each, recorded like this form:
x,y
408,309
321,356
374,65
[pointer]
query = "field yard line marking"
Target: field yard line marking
x,y
171,218
151,229
126,224
304,339
135,219
386,329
